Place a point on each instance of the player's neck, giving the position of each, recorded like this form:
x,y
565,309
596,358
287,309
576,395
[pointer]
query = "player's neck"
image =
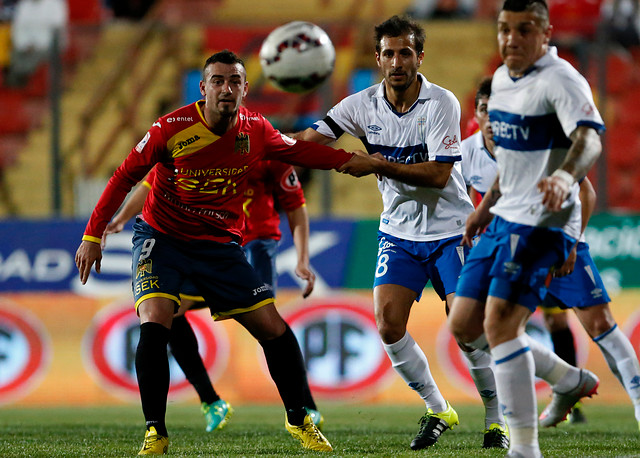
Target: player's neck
x,y
221,124
402,99
489,145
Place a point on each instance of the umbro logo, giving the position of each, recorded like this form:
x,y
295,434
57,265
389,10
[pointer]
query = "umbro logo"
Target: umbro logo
x,y
635,382
374,128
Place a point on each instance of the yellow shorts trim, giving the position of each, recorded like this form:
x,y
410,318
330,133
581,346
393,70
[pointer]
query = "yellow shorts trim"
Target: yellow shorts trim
x,y
165,295
229,313
187,297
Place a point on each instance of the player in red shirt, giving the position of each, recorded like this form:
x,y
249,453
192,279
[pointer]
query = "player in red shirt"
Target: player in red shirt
x,y
270,182
192,228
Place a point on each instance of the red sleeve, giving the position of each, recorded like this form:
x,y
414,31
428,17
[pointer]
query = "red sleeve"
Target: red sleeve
x,y
134,168
298,152
286,186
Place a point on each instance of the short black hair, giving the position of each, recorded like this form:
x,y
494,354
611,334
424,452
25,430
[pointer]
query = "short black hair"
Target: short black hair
x,y
484,89
396,26
224,57
537,7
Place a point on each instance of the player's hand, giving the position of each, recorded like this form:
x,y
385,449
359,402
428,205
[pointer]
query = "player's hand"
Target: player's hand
x,y
476,223
359,165
113,227
88,253
554,191
569,264
304,273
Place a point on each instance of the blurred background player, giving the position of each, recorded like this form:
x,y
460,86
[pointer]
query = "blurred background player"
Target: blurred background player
x,y
416,126
193,221
546,129
271,184
576,285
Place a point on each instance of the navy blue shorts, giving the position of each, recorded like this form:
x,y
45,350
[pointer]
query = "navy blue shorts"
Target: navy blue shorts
x,y
261,254
219,271
412,264
512,261
582,288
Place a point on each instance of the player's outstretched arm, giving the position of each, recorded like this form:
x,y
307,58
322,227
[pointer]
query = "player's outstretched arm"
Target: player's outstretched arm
x,y
299,225
132,207
311,135
431,174
87,254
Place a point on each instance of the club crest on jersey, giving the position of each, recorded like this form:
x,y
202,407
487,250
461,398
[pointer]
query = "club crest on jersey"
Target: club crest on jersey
x,y
143,268
242,143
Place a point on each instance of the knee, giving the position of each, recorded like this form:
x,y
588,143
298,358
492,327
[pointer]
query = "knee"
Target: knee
x,y
390,332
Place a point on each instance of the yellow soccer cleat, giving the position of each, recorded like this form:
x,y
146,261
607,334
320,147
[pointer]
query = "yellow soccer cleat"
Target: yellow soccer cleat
x,y
309,435
432,425
154,443
496,436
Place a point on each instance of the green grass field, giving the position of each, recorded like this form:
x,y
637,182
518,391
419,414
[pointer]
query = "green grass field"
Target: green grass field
x,y
354,431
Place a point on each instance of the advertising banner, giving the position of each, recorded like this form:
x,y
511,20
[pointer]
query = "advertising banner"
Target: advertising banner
x,y
66,349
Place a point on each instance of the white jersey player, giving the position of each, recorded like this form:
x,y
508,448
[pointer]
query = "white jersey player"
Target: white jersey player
x,y
479,166
545,127
414,125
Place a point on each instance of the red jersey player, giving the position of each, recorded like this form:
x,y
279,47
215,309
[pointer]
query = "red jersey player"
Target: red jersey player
x,y
192,228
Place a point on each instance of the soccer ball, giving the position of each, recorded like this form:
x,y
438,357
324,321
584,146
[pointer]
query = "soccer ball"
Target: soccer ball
x,y
297,57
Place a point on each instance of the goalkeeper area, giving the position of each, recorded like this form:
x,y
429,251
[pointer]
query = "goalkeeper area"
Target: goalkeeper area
x,y
258,430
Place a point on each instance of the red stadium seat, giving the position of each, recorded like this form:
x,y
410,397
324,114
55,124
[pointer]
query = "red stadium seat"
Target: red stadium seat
x,y
621,72
13,117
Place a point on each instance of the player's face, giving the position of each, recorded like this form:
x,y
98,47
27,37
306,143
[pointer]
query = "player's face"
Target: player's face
x,y
482,116
223,87
399,61
521,40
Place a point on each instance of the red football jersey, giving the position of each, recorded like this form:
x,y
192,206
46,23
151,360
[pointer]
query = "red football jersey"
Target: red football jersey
x,y
270,182
201,178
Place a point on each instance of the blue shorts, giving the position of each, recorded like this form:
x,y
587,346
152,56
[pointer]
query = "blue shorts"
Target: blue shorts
x,y
512,261
219,271
412,264
582,288
261,254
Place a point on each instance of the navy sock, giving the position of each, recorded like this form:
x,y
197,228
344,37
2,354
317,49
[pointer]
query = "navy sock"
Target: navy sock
x,y
287,370
184,347
152,368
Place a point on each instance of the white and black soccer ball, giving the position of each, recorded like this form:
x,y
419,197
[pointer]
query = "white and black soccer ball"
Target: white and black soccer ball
x,y
297,57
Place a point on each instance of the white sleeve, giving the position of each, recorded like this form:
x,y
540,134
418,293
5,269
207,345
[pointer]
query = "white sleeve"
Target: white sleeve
x,y
342,118
571,97
443,129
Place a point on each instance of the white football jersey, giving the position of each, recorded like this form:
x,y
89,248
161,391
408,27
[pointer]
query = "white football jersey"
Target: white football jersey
x,y
532,118
428,131
479,167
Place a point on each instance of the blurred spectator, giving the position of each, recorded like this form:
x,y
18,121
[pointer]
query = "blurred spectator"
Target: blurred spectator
x,y
32,30
442,9
6,9
622,19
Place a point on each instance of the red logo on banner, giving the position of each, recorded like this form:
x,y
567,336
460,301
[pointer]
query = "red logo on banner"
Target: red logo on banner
x,y
340,344
111,342
24,352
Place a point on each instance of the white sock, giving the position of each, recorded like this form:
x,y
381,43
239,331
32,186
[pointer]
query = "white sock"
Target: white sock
x,y
561,375
411,364
514,374
623,362
479,364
